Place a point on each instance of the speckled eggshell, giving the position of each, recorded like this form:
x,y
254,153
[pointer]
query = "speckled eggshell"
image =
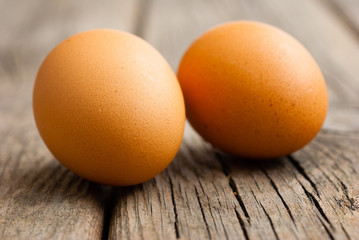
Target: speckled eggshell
x,y
253,90
109,107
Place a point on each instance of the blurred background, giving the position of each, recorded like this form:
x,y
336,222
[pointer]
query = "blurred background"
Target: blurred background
x,y
328,28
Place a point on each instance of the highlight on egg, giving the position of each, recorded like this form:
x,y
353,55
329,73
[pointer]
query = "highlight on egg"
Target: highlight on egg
x,y
253,90
109,107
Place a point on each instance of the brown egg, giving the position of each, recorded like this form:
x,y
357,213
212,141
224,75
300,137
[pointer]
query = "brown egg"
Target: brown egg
x,y
253,90
109,107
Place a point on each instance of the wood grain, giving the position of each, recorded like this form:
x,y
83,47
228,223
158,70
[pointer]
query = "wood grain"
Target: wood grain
x,y
347,12
206,194
40,199
332,44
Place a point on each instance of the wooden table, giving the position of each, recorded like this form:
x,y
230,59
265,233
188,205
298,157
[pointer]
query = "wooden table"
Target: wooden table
x,y
204,193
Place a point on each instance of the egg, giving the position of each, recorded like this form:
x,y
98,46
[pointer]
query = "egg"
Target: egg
x,y
253,90
109,107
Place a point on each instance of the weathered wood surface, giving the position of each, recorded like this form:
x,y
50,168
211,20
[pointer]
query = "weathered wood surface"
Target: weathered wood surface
x,y
40,199
204,194
347,11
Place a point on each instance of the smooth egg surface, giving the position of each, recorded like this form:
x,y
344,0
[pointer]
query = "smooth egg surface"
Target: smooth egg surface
x,y
253,90
109,107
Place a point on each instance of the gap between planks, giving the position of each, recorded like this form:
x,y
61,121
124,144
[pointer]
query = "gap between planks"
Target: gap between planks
x,y
322,217
141,17
307,185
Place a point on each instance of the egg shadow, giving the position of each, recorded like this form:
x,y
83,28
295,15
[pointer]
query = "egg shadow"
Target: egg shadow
x,y
253,164
53,182
205,156
43,189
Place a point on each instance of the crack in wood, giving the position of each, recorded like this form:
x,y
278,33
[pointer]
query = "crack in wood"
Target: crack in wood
x,y
202,212
280,196
187,200
150,208
139,26
161,195
316,204
301,170
199,181
318,166
254,196
138,218
109,205
23,180
345,231
124,205
174,207
255,182
352,206
326,229
270,221
214,222
333,154
241,223
224,228
233,186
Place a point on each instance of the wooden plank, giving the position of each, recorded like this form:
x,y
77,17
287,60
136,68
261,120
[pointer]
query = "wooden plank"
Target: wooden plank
x,y
40,199
29,30
303,196
206,194
347,12
332,44
190,200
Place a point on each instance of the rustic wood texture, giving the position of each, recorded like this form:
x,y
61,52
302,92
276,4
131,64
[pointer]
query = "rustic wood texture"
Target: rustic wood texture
x,y
204,193
40,199
332,44
347,11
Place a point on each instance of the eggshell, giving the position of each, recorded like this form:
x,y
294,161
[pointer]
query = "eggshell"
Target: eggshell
x,y
253,90
109,107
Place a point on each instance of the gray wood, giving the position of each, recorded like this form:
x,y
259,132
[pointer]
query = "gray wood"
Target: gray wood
x,y
40,199
332,44
206,194
347,12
